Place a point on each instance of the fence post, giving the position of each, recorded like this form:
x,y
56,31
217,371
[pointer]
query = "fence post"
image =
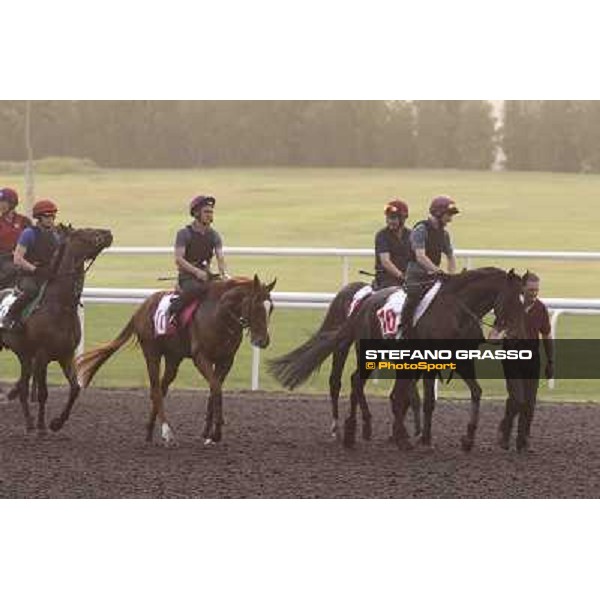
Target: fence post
x,y
81,315
345,270
254,384
553,325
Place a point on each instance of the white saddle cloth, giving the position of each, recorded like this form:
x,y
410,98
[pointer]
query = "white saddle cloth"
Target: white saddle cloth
x,y
5,305
358,297
161,319
389,313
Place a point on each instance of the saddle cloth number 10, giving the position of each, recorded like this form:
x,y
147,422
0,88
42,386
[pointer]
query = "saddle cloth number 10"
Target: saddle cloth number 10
x,y
388,319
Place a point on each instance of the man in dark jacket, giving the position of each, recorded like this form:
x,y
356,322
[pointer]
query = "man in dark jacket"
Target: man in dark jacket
x,y
522,383
392,246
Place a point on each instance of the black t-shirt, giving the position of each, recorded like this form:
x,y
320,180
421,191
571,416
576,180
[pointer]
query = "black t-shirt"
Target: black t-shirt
x,y
398,248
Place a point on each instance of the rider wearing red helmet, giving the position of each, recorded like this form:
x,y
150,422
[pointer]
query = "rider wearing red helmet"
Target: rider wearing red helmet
x,y
195,246
429,240
392,246
12,225
33,256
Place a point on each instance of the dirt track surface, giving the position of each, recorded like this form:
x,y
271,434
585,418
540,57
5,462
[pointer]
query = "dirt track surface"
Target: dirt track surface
x,y
278,446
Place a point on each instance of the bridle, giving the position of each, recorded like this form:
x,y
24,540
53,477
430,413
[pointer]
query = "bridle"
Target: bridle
x,y
243,320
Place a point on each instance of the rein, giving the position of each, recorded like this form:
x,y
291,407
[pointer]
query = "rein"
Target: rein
x,y
75,271
471,314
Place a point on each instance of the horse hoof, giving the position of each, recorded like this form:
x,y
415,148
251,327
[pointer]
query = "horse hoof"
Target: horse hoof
x,y
404,445
208,442
503,441
425,441
348,442
169,441
12,394
466,443
56,424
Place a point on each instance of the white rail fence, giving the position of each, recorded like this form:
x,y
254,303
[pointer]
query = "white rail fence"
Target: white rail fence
x,y
345,254
305,300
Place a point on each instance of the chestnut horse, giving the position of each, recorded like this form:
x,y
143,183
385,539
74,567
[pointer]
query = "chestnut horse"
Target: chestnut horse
x,y
211,341
52,332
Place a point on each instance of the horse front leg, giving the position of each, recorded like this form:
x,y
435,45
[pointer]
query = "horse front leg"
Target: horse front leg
x,y
221,371
68,368
23,389
206,369
400,402
467,441
40,374
513,405
415,406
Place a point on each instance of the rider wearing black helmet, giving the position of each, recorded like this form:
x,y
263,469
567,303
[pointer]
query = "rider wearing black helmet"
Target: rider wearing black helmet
x,y
195,245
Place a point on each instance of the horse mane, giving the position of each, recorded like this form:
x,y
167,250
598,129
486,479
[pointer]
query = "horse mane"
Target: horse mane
x,y
219,288
452,283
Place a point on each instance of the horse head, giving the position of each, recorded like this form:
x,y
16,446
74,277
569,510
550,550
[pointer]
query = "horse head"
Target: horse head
x,y
85,243
509,309
257,307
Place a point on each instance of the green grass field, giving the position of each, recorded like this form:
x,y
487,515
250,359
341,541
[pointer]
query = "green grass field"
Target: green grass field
x,y
322,207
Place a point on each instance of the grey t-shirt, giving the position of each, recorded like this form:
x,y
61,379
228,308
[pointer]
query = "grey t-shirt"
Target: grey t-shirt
x,y
418,240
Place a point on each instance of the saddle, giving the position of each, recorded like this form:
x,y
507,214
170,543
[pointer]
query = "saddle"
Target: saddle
x,y
29,308
389,314
163,326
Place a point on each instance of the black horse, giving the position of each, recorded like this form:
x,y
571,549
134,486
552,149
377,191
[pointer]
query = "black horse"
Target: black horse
x,y
336,316
455,313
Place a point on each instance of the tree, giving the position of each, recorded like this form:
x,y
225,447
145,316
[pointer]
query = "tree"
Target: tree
x,y
475,133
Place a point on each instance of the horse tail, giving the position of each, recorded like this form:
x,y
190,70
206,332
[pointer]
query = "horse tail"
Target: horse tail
x,y
295,368
88,363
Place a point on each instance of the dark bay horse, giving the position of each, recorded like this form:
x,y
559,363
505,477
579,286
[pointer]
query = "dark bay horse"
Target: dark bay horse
x,y
212,340
455,313
52,332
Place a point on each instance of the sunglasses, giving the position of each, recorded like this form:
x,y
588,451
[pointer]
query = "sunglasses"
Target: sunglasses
x,y
48,215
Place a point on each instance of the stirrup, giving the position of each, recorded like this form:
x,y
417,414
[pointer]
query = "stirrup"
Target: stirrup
x,y
14,324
